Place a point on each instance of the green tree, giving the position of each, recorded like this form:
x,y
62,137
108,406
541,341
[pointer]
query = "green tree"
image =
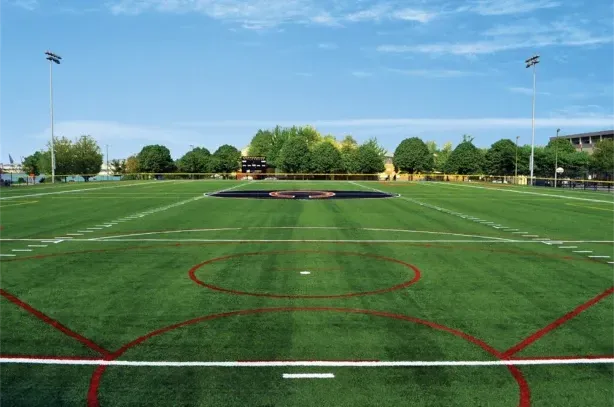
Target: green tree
x,y
412,155
280,136
118,167
562,145
155,159
261,143
132,165
441,156
226,159
374,144
294,155
311,135
198,160
603,158
325,159
368,159
32,163
500,159
63,154
348,150
465,159
87,157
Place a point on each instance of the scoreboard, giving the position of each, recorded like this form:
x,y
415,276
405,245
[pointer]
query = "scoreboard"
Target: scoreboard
x,y
253,164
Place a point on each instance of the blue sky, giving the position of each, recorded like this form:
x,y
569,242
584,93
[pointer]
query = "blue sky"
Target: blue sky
x,y
210,72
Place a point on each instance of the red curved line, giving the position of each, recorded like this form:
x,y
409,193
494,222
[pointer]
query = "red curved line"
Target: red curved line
x,y
193,277
524,391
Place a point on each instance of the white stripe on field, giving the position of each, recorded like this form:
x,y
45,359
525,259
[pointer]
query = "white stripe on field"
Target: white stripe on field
x,y
582,251
74,234
74,190
8,255
85,231
599,257
568,247
308,363
37,245
308,376
21,250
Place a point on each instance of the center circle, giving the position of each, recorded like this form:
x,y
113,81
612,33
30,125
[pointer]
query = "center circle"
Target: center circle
x,y
415,271
302,194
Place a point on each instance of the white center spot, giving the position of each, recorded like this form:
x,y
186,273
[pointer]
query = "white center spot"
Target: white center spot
x,y
305,272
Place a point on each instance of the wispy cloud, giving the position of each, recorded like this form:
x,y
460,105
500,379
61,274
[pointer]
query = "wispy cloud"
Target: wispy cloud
x,y
529,34
29,5
505,7
262,14
525,91
361,74
433,73
422,123
328,45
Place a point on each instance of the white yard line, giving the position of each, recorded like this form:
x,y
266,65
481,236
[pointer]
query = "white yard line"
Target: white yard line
x,y
582,251
308,376
308,363
74,234
21,250
8,255
75,190
599,257
568,247
37,245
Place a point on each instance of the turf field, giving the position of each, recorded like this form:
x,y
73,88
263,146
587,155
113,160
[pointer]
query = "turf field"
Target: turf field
x,y
153,294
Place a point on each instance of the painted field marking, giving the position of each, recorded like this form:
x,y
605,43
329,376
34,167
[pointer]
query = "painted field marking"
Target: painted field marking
x,y
519,233
49,241
611,262
582,251
305,272
308,376
307,363
21,250
8,255
530,235
37,245
63,237
74,234
511,230
73,190
568,247
599,257
85,231
95,228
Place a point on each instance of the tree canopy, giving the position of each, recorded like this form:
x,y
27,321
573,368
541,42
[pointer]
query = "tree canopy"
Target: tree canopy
x,y
368,160
198,160
87,157
325,159
155,159
294,155
603,157
465,159
500,158
413,156
226,159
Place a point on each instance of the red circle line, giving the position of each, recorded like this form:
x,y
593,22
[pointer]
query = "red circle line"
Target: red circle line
x,y
524,391
194,269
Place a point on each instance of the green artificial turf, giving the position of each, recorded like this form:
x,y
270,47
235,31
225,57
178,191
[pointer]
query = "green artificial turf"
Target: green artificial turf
x,y
411,278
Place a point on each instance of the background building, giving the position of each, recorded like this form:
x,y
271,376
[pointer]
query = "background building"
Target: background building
x,y
586,141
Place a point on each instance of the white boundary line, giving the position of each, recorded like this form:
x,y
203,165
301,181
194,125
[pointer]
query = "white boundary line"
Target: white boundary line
x,y
78,190
308,376
308,363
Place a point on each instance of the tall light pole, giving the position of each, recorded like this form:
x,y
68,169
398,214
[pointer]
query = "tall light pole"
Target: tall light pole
x,y
516,169
532,62
107,162
556,155
52,58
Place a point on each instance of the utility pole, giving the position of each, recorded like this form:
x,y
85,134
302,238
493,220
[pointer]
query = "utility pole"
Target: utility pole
x,y
516,169
52,58
532,62
556,156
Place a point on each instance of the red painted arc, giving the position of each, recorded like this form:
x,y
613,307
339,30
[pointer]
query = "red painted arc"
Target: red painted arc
x,y
560,321
194,269
524,391
54,323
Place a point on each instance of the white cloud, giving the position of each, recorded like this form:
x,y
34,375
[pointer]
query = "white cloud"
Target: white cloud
x,y
433,73
525,91
505,7
327,45
361,74
409,14
604,121
261,14
29,5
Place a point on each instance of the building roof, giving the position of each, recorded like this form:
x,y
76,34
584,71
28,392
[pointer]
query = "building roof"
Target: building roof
x,y
593,133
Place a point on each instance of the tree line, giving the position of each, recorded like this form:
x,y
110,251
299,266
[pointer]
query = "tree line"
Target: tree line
x,y
305,150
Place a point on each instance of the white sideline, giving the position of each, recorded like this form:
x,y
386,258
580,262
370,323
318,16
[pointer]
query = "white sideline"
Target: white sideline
x,y
527,192
308,376
77,190
308,363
